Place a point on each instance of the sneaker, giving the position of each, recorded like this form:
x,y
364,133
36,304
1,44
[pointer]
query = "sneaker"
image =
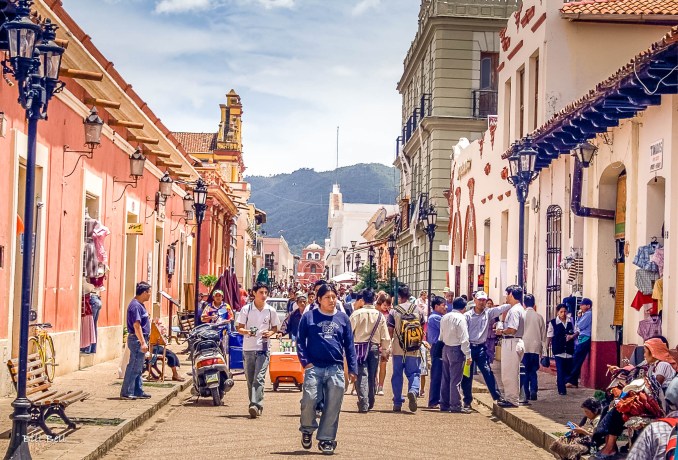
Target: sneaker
x,y
143,396
327,447
128,398
524,403
260,411
397,408
506,404
463,410
412,402
306,440
380,392
253,411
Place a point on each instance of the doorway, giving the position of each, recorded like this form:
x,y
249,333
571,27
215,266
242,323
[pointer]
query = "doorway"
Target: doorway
x,y
130,278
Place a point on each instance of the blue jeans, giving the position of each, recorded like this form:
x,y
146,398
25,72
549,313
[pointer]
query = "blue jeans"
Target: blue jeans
x,y
480,362
410,365
256,366
436,378
132,383
322,385
581,351
529,381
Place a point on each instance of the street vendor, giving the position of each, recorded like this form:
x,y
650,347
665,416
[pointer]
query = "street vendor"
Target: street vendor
x,y
217,311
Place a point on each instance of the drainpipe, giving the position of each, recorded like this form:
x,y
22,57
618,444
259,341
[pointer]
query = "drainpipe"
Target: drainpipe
x,y
575,205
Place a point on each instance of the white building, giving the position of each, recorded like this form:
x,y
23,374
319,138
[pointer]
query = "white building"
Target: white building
x,y
346,222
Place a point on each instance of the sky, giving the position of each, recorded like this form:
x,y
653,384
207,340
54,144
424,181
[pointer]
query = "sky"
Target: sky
x,y
301,67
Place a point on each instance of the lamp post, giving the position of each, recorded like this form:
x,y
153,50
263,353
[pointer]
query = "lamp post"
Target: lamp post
x,y
34,60
344,249
522,172
200,204
391,254
356,261
370,255
431,224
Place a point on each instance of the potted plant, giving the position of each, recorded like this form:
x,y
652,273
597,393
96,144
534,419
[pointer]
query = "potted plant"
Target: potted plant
x,y
208,281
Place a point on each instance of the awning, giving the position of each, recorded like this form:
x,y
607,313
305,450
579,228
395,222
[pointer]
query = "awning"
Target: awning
x,y
632,89
348,277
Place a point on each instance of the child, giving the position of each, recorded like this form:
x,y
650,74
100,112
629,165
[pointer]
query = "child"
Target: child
x,y
424,366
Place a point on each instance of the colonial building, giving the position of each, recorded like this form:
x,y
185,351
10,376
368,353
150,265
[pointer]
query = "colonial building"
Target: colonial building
x,y
379,228
311,265
448,88
279,260
584,222
345,222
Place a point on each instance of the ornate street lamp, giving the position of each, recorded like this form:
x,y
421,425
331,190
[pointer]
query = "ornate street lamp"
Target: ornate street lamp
x,y
344,249
93,125
200,205
34,61
356,261
137,160
431,224
370,255
584,152
165,186
391,254
522,172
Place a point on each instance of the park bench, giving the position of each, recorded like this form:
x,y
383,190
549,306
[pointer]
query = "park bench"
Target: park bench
x,y
45,401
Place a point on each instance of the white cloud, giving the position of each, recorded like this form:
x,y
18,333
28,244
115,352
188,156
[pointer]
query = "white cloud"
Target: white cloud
x,y
269,4
363,6
180,6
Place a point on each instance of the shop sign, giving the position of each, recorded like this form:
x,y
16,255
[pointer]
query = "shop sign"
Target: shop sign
x,y
134,228
657,155
464,169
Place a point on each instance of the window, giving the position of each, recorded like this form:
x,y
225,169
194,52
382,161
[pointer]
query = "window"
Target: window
x,y
317,256
488,70
309,256
554,222
314,269
521,102
535,111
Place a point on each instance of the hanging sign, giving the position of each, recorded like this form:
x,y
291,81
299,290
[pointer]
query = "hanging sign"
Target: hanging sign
x,y
134,228
657,155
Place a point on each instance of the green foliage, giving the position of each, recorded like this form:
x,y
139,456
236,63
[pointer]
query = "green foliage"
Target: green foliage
x,y
296,203
208,280
371,280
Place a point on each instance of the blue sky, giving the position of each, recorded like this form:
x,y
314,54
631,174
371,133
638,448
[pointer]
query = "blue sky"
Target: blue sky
x,y
302,68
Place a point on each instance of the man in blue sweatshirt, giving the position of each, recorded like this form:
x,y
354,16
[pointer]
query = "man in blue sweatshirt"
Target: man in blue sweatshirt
x,y
325,337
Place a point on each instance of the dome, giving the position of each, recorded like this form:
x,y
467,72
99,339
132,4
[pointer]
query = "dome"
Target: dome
x,y
314,246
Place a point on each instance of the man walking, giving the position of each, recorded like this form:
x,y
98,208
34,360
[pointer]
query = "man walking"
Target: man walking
x,y
138,328
432,335
369,331
582,330
257,322
512,347
325,338
449,300
479,320
456,353
535,347
403,360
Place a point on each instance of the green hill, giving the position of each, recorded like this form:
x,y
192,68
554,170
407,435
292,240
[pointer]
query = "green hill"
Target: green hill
x,y
296,203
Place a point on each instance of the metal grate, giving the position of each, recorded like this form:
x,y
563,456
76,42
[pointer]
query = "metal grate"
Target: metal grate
x,y
554,224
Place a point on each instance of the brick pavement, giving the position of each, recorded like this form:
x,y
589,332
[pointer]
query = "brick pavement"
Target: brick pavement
x,y
91,441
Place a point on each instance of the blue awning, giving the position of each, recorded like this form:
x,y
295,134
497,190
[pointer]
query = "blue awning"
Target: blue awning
x,y
632,89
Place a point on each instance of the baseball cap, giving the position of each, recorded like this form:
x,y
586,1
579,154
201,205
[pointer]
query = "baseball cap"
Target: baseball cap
x,y
586,301
481,295
218,291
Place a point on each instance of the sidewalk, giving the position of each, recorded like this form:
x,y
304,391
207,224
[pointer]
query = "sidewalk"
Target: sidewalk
x,y
542,421
103,419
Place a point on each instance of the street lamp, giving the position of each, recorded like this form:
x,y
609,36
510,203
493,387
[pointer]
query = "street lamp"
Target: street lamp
x,y
356,260
136,170
431,224
344,249
585,152
522,172
391,254
93,125
34,61
200,204
166,186
370,255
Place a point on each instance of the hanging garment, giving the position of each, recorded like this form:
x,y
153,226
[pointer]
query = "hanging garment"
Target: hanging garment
x,y
641,300
576,271
658,258
90,261
87,329
98,236
650,327
658,294
642,259
645,279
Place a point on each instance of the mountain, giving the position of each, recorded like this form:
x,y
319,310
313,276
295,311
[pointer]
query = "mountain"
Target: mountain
x,y
296,203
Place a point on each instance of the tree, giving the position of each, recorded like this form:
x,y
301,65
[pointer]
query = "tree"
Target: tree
x,y
373,281
208,281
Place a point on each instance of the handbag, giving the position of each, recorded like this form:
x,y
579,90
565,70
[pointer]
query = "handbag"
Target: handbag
x,y
362,348
437,350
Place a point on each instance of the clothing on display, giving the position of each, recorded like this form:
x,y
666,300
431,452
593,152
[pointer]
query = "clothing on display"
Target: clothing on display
x,y
658,258
576,271
641,301
87,329
658,294
98,235
650,327
645,280
643,257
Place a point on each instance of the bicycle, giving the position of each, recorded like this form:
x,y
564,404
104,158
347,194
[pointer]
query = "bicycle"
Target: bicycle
x,y
42,344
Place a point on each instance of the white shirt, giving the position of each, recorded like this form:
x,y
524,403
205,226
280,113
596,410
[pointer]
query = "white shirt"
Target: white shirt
x,y
515,319
664,369
534,337
550,333
250,316
454,331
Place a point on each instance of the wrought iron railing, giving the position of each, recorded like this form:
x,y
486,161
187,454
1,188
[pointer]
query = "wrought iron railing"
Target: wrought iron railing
x,y
423,110
484,102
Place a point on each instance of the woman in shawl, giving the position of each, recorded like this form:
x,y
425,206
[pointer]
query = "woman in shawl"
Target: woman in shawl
x,y
660,362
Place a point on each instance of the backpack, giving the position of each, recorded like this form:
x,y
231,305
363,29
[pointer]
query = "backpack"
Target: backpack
x,y
671,444
411,335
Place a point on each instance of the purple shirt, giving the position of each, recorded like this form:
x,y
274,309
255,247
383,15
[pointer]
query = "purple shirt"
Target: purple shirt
x,y
137,312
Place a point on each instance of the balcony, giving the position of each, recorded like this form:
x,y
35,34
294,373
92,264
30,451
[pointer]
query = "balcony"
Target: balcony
x,y
484,103
425,109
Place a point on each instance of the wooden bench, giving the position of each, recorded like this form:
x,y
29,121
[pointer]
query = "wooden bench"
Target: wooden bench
x,y
186,325
45,401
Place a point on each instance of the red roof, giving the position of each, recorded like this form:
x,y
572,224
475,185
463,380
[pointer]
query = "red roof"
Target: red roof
x,y
197,142
626,7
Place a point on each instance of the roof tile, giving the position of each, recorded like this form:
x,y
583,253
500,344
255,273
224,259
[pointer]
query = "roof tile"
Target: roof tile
x,y
633,7
197,142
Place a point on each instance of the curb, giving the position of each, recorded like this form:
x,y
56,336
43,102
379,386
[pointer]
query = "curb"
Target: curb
x,y
136,422
527,430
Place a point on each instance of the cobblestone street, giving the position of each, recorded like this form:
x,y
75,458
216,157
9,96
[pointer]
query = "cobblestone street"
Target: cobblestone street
x,y
187,430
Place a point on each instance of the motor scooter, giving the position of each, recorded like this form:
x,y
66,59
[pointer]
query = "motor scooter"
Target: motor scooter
x,y
211,376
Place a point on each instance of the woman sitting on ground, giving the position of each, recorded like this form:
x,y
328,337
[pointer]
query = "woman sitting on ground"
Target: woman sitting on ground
x,y
578,441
